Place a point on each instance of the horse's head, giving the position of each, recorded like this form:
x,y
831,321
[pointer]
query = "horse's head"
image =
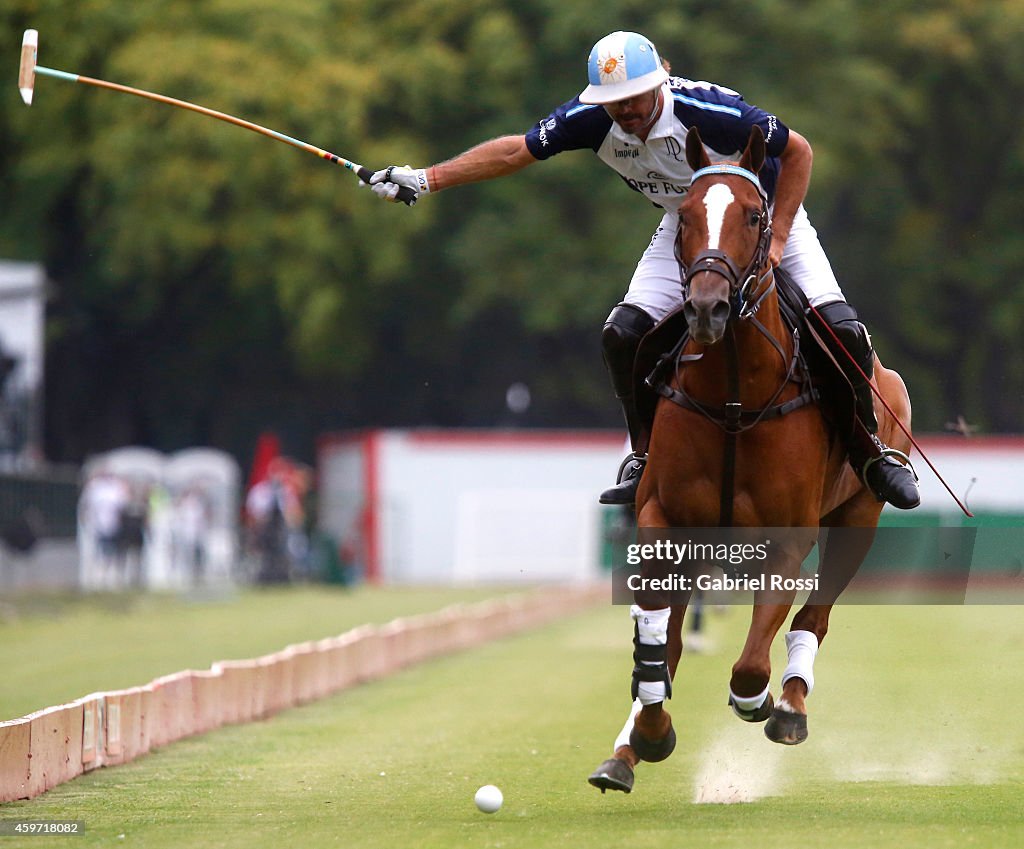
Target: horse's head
x,y
724,236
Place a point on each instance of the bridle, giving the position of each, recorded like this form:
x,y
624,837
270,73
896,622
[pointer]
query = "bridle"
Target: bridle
x,y
742,284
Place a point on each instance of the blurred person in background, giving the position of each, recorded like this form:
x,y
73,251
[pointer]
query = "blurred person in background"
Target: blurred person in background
x,y
133,533
193,516
275,517
101,511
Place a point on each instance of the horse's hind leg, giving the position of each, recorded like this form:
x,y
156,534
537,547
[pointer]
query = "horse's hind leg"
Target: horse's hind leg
x,y
788,721
851,534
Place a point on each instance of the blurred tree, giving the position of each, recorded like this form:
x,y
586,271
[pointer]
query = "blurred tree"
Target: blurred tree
x,y
209,283
940,205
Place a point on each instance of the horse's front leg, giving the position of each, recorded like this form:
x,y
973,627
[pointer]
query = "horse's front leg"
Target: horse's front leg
x,y
654,666
647,719
749,694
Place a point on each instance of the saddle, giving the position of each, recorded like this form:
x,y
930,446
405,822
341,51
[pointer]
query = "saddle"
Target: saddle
x,y
816,368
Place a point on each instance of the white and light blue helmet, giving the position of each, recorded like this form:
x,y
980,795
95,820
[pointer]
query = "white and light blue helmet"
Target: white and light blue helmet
x,y
622,65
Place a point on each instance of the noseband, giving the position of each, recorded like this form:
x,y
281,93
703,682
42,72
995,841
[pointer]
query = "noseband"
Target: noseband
x,y
741,283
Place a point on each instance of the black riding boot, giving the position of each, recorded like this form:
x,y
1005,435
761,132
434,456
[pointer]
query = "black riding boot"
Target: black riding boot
x,y
625,327
630,471
875,463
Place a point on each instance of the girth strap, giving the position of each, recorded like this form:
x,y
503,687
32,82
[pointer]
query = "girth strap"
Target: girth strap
x,y
727,417
733,414
731,418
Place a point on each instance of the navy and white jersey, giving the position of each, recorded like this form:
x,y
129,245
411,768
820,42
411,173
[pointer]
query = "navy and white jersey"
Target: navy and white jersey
x,y
657,168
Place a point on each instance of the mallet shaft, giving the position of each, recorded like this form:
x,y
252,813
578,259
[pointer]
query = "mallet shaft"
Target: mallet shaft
x,y
211,113
26,83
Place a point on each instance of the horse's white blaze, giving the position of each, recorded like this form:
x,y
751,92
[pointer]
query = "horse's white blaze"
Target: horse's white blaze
x,y
716,201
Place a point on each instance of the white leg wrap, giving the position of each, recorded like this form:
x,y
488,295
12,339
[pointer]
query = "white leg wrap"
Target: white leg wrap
x,y
749,703
652,630
802,646
651,692
623,738
652,625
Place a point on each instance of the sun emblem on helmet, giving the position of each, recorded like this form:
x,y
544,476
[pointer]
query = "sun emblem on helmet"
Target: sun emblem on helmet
x,y
613,69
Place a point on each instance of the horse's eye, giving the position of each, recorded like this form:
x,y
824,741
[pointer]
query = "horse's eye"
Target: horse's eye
x,y
755,218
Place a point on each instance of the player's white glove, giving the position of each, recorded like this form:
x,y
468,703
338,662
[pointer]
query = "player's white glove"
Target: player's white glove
x,y
386,183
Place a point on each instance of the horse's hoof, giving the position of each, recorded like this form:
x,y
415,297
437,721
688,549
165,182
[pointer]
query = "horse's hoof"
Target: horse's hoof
x,y
786,727
613,774
758,714
652,752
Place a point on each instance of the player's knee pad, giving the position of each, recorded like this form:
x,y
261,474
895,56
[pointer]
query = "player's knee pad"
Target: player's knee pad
x,y
853,335
620,338
854,338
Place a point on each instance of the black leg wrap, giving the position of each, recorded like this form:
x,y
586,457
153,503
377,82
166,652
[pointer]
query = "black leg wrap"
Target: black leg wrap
x,y
650,665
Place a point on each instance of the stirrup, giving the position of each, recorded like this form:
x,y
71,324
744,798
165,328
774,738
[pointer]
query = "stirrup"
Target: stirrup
x,y
884,452
628,479
895,482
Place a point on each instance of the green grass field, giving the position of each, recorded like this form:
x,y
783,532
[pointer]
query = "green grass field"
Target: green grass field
x,y
915,742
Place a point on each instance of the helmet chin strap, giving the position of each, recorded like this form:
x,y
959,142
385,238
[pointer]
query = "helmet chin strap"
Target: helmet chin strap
x,y
654,111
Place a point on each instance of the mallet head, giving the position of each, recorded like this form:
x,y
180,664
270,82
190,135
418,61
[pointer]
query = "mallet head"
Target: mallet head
x,y
27,72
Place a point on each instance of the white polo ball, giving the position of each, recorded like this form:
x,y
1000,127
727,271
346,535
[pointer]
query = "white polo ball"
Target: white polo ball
x,y
488,799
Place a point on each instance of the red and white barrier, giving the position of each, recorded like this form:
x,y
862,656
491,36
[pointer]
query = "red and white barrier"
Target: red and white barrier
x,y
54,745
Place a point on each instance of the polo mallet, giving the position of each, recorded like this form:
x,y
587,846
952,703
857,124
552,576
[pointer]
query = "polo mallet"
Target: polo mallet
x,y
878,395
27,80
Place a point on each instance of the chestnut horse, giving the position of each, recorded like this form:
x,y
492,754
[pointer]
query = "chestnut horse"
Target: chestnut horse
x,y
768,461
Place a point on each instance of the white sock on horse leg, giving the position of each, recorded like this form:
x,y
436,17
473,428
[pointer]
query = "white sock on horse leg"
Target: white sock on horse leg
x,y
623,738
802,646
749,703
652,630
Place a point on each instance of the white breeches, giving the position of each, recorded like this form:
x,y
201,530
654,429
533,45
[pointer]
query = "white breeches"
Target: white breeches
x,y
657,289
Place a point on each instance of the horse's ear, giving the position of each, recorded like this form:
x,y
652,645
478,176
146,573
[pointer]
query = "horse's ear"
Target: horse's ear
x,y
754,156
696,156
